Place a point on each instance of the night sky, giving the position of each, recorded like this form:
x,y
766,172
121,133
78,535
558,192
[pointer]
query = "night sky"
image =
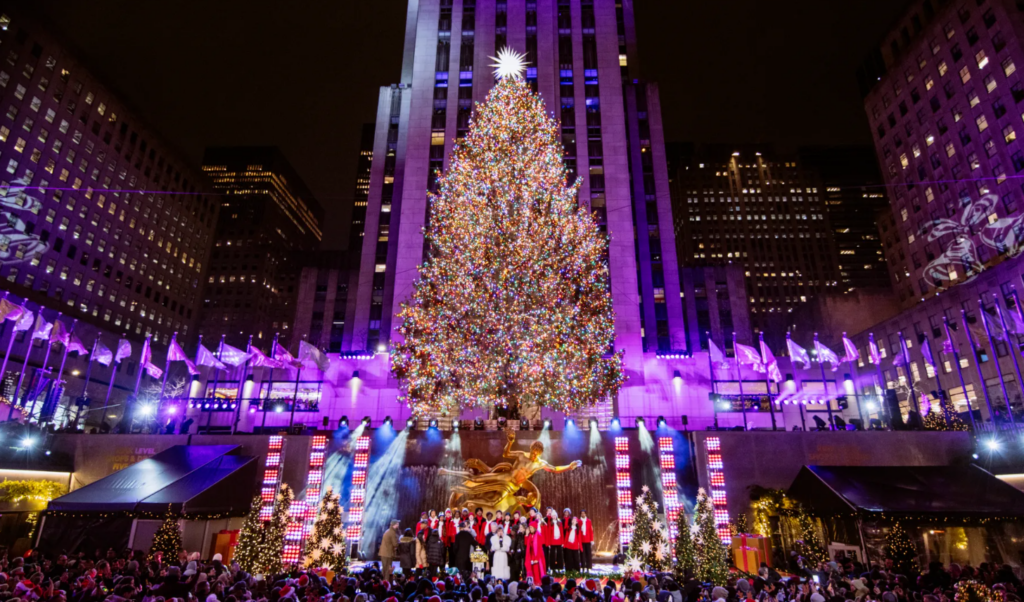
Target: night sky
x,y
305,75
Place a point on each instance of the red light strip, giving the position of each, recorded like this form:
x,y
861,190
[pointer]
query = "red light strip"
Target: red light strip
x,y
716,478
625,492
668,483
361,461
271,475
304,512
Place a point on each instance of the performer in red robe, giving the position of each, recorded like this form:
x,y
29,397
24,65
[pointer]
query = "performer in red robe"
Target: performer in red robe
x,y
587,539
553,539
535,566
448,531
572,545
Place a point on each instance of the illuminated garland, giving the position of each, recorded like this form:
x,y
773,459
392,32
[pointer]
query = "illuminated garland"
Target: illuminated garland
x,y
36,491
972,591
712,566
143,514
512,307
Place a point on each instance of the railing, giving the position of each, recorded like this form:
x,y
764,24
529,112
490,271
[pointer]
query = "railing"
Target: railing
x,y
223,404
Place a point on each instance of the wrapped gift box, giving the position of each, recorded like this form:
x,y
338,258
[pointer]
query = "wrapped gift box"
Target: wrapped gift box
x,y
762,544
745,559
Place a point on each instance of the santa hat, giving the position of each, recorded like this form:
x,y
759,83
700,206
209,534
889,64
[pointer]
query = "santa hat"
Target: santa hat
x,y
434,599
618,596
590,585
440,586
386,585
303,580
391,599
286,590
457,580
448,512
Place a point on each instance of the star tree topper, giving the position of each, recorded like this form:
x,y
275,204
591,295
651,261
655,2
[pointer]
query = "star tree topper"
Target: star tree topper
x,y
509,64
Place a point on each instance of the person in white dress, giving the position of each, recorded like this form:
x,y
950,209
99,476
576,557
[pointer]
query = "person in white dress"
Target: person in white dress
x,y
501,543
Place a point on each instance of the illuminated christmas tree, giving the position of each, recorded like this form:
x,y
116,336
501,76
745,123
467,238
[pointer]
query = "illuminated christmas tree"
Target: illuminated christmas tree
x,y
901,550
250,539
167,539
813,550
712,562
326,544
648,548
272,548
512,306
686,551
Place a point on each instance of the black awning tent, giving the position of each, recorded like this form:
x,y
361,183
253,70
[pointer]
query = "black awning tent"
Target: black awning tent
x,y
949,492
196,480
190,479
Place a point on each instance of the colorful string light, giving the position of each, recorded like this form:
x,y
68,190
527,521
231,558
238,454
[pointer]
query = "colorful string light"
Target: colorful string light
x,y
512,305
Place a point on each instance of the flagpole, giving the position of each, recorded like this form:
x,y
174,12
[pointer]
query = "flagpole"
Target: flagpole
x,y
46,361
216,382
977,364
856,397
910,375
10,345
768,382
799,402
142,365
824,383
960,374
63,361
1013,354
85,387
3,331
995,356
938,382
24,367
270,385
241,386
739,378
167,367
882,385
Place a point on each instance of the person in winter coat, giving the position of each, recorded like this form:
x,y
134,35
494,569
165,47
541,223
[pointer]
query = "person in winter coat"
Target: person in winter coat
x,y
435,553
421,550
407,552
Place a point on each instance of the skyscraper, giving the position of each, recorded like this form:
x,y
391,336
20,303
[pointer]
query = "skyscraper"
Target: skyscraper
x,y
942,95
583,62
101,220
750,206
854,196
361,194
267,218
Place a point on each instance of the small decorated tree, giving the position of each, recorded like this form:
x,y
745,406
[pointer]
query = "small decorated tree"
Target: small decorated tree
x,y
168,537
901,550
686,551
712,563
326,544
250,539
648,550
813,550
739,525
274,532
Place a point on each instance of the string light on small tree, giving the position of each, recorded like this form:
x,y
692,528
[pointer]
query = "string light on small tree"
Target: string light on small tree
x,y
648,550
712,563
250,539
813,551
686,551
900,549
326,544
167,539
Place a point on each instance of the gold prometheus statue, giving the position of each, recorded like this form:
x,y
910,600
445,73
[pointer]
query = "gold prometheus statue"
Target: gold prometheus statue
x,y
499,488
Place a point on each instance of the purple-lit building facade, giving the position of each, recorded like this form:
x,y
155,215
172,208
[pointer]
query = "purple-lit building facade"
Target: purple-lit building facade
x,y
102,220
943,95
